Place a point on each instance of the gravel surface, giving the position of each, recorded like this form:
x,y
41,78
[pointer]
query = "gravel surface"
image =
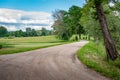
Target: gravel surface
x,y
53,63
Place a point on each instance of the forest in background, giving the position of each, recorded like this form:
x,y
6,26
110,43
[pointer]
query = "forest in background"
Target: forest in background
x,y
27,33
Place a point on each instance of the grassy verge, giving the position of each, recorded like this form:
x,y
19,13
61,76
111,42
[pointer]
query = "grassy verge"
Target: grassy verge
x,y
93,55
13,50
15,45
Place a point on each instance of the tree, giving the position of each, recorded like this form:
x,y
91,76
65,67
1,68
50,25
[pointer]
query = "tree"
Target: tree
x,y
59,27
90,23
33,32
28,31
43,32
75,15
91,27
114,26
67,23
116,8
38,32
3,31
111,50
11,33
19,33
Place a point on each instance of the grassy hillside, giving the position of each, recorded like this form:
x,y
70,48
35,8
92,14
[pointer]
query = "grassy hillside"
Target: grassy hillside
x,y
93,55
22,44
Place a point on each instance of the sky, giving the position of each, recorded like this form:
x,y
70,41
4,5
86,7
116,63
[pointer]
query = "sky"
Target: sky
x,y
19,14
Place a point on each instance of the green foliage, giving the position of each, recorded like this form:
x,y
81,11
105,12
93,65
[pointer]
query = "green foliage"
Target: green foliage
x,y
19,33
74,15
91,25
29,32
59,27
67,23
45,32
93,55
3,31
117,6
114,26
90,22
1,46
74,38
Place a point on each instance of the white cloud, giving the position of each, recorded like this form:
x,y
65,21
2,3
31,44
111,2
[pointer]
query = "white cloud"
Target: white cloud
x,y
11,28
37,27
14,17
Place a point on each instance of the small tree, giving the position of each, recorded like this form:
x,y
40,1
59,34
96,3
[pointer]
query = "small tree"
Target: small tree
x,y
3,31
110,47
111,50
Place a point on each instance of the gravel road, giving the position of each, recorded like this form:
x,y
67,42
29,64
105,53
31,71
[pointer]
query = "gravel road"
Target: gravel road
x,y
53,63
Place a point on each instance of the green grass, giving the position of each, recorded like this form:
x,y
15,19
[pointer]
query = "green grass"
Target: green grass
x,y
93,55
22,44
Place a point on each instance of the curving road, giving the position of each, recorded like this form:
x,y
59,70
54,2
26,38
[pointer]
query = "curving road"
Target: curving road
x,y
53,63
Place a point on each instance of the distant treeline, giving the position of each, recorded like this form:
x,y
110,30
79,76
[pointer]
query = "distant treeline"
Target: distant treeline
x,y
27,33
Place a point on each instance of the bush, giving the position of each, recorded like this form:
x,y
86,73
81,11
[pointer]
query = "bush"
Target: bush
x,y
74,38
1,46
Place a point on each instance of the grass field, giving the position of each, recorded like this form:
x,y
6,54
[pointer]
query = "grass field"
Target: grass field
x,y
93,55
22,44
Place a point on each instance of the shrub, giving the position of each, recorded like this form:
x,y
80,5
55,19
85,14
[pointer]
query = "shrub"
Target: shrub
x,y
74,38
1,46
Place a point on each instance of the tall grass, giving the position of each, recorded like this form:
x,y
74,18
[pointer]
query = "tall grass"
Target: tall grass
x,y
93,55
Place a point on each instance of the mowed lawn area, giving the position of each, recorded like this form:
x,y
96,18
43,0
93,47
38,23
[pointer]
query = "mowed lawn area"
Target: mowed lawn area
x,y
23,44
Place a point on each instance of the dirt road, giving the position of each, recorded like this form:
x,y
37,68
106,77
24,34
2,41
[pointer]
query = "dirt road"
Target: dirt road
x,y
53,63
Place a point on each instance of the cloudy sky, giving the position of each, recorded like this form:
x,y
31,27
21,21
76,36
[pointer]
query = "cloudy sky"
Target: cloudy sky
x,y
19,14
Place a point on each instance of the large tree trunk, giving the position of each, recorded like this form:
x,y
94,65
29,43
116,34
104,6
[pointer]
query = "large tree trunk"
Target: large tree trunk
x,y
111,50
